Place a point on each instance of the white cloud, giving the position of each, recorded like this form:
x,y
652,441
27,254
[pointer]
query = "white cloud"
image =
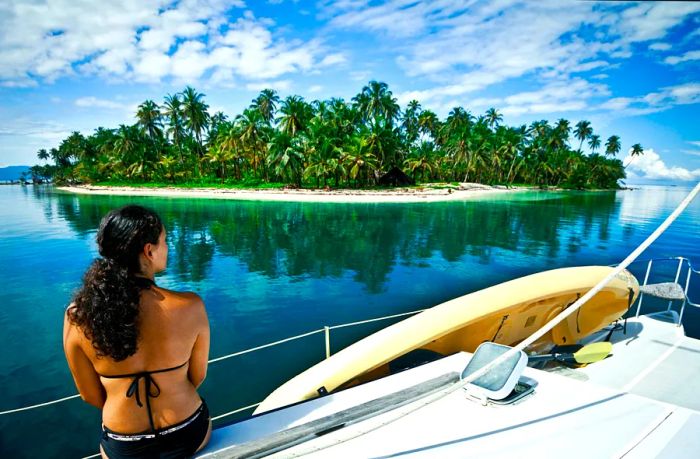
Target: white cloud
x,y
660,46
684,94
360,75
689,56
694,151
465,47
398,17
100,103
315,89
556,97
147,41
45,131
152,66
652,20
651,166
279,85
333,59
652,102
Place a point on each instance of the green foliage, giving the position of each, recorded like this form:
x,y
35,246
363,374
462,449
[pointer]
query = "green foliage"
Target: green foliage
x,y
292,142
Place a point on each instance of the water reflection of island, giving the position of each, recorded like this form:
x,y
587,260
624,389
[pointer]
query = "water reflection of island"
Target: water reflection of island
x,y
329,240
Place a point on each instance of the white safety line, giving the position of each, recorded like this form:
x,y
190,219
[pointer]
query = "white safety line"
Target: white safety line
x,y
235,411
333,327
257,348
39,405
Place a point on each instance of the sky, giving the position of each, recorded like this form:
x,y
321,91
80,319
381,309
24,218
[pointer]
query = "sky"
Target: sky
x,y
631,69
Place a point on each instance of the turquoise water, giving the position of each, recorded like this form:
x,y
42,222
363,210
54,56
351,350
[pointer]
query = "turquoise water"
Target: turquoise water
x,y
271,270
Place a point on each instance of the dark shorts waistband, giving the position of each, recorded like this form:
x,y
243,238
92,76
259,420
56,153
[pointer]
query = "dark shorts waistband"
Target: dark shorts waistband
x,y
159,432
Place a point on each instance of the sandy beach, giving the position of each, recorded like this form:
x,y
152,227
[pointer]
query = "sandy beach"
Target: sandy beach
x,y
397,195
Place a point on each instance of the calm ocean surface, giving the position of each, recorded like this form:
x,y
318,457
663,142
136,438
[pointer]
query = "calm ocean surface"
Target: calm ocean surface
x,y
267,271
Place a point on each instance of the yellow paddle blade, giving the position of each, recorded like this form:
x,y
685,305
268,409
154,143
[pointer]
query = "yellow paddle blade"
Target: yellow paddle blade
x,y
593,352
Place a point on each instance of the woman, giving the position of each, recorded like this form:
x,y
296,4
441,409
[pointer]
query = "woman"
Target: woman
x,y
138,351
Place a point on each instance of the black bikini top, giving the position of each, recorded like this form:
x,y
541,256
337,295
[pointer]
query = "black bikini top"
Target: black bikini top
x,y
152,388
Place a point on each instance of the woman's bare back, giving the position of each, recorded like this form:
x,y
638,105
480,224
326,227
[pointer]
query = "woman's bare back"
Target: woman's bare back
x,y
173,330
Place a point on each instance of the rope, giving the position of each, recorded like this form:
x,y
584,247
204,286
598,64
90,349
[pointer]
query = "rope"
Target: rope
x,y
224,357
402,412
39,405
334,327
235,411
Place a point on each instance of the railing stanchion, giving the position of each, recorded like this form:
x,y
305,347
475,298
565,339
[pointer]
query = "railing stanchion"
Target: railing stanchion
x,y
327,332
641,295
685,300
678,275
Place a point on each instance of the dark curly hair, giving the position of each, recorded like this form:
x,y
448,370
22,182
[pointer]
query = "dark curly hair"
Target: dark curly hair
x,y
107,305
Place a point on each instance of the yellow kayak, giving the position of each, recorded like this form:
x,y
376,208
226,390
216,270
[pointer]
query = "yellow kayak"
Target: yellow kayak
x,y
506,313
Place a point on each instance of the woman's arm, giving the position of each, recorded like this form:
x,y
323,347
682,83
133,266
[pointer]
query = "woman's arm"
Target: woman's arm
x,y
86,378
200,351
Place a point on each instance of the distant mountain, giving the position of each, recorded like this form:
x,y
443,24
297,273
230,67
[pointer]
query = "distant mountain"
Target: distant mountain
x,y
12,172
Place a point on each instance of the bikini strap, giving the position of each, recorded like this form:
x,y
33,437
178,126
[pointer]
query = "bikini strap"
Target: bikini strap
x,y
140,373
144,282
151,387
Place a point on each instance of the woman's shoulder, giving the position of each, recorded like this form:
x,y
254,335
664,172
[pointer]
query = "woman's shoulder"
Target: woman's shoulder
x,y
187,300
72,333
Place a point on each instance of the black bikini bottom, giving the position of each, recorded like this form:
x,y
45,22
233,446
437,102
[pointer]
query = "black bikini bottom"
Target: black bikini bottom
x,y
176,441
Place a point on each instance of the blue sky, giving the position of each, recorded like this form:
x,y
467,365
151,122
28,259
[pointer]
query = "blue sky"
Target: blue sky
x,y
630,68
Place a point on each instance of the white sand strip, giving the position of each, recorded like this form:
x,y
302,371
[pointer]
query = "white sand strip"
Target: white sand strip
x,y
398,195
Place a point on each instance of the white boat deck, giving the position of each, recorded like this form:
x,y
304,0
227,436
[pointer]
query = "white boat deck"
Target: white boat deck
x,y
654,359
630,407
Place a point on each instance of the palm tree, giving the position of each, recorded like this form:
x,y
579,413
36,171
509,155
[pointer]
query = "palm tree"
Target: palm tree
x,y
613,146
128,146
493,117
168,163
510,146
636,150
428,123
217,154
583,131
229,140
423,160
287,157
250,125
359,161
458,118
594,142
42,154
376,103
563,128
266,104
195,114
410,123
173,110
295,115
149,118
